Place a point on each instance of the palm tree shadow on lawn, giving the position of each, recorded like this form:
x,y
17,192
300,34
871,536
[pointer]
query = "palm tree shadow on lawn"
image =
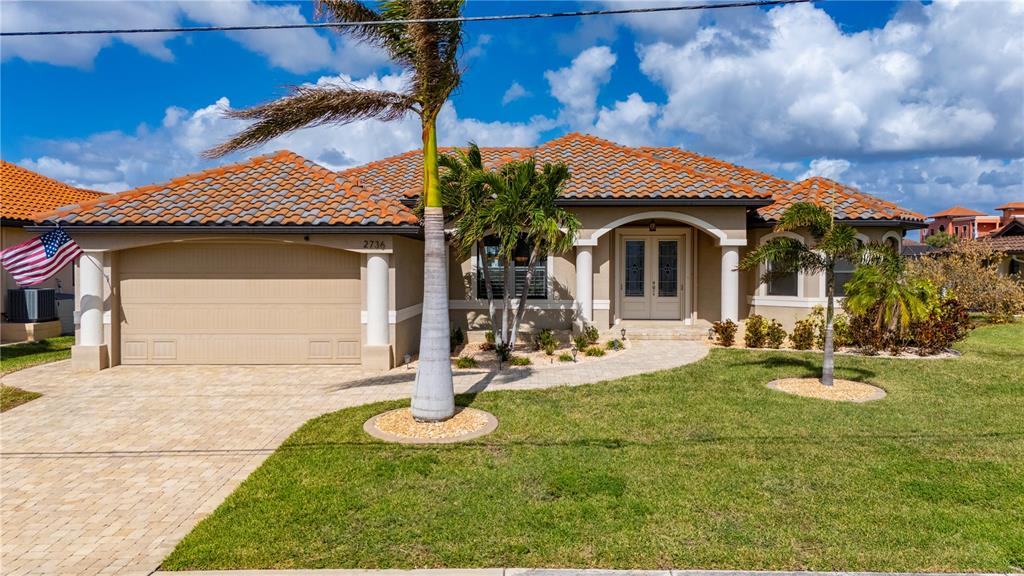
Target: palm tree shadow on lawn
x,y
810,368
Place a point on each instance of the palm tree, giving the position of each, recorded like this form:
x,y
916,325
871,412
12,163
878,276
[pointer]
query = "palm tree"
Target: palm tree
x,y
784,255
883,287
428,52
515,205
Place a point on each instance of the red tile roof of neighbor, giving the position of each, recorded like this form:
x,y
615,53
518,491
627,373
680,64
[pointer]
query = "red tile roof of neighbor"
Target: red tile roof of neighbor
x,y
957,211
1012,206
281,188
24,193
284,188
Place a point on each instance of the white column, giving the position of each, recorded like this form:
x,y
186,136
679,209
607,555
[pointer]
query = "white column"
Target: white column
x,y
730,283
377,305
585,281
90,304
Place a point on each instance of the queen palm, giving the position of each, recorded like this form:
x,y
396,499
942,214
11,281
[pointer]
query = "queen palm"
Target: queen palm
x,y
428,53
783,255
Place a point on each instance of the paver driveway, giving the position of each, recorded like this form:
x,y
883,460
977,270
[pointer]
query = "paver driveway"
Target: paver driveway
x,y
107,472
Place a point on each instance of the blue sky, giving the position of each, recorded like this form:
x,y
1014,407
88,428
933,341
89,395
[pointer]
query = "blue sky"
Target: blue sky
x,y
921,104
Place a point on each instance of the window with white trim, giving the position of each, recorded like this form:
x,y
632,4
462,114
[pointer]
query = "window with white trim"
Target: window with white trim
x,y
538,284
844,272
785,285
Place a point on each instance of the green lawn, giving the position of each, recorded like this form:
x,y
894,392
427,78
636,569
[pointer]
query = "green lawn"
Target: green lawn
x,y
18,356
699,467
11,397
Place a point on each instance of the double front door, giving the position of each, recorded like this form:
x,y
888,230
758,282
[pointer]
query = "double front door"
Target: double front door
x,y
651,286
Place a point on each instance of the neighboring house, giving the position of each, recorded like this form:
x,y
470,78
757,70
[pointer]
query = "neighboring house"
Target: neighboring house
x,y
1011,211
915,249
961,223
279,260
22,194
1010,240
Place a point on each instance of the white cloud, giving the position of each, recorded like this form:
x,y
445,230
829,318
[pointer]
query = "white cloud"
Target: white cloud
x,y
80,51
932,184
831,168
115,161
299,50
514,92
576,86
478,49
796,85
628,121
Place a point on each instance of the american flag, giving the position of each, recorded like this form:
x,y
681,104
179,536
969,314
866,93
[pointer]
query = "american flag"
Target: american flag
x,y
35,260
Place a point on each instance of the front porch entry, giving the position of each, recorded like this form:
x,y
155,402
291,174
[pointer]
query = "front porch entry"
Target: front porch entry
x,y
654,275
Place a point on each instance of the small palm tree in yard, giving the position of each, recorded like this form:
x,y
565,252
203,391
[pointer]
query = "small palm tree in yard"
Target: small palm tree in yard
x,y
784,255
882,287
515,205
428,52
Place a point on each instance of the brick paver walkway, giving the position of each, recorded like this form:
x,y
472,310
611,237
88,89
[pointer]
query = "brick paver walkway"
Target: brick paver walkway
x,y
107,472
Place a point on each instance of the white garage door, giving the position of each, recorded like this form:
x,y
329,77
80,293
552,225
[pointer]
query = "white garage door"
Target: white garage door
x,y
239,303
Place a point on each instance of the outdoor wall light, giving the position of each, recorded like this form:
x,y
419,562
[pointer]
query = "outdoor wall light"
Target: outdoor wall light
x,y
623,332
652,226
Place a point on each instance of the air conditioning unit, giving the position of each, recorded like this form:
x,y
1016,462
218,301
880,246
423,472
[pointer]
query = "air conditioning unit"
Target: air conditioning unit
x,y
31,305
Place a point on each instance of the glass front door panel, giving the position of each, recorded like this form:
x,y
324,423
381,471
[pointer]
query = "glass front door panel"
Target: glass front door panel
x,y
634,281
668,268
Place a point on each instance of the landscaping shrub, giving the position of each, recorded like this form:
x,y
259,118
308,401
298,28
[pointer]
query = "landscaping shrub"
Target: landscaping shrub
x,y
805,332
458,338
947,324
969,271
614,344
565,357
591,333
840,328
775,334
725,332
595,351
755,331
519,360
581,342
465,362
545,340
488,341
865,333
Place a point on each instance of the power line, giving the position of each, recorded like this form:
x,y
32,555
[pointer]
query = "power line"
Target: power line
x,y
415,21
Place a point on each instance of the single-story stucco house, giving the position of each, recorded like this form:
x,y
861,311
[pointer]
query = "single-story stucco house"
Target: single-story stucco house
x,y
24,193
279,260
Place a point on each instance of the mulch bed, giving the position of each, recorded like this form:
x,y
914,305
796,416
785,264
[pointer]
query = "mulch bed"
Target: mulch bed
x,y
840,391
399,426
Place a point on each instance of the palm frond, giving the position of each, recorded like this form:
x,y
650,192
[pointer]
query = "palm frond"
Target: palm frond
x,y
312,106
391,37
814,218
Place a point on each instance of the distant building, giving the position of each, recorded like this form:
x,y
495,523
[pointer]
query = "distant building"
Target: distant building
x,y
963,223
1011,211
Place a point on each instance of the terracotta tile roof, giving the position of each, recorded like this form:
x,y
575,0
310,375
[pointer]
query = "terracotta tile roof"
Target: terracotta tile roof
x,y
605,170
278,189
1008,244
600,170
402,175
755,179
1012,206
847,202
957,211
24,193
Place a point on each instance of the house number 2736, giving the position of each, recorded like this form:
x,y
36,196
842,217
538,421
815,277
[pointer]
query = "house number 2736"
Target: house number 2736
x,y
374,245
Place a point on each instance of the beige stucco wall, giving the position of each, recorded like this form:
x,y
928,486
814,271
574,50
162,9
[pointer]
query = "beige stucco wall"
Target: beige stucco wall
x,y
62,282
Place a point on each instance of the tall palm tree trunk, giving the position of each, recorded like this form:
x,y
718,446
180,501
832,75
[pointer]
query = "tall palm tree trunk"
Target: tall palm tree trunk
x,y
433,398
828,365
